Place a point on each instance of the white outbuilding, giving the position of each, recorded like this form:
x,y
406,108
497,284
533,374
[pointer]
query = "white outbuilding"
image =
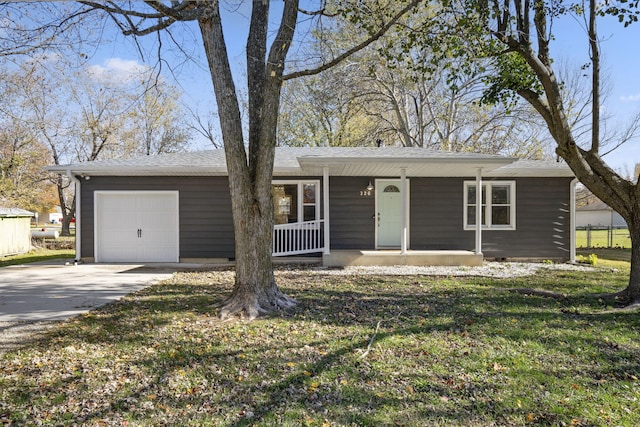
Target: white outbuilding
x,y
15,231
598,214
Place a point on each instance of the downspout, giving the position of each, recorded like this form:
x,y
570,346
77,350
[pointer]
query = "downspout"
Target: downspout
x,y
572,220
78,196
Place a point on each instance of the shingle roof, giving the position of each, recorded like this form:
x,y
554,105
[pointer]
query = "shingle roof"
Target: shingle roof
x,y
350,161
534,168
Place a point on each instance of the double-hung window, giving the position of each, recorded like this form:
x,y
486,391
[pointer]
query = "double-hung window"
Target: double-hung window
x,y
498,205
295,201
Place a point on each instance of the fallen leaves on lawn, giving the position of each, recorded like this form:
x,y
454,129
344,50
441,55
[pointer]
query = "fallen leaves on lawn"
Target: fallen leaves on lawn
x,y
438,352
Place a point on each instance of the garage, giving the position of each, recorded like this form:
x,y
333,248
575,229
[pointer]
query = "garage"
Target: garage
x,y
136,226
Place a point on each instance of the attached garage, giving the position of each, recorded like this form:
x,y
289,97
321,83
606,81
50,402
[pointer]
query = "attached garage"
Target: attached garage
x,y
136,226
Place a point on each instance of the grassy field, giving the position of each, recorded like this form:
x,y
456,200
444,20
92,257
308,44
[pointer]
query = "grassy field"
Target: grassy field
x,y
600,238
357,351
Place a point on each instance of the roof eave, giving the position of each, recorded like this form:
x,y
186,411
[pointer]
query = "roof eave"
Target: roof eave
x,y
414,166
531,173
139,171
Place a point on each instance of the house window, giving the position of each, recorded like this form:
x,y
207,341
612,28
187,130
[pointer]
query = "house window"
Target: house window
x,y
498,205
295,201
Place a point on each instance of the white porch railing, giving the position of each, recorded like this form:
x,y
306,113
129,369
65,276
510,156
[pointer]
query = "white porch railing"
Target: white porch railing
x,y
298,238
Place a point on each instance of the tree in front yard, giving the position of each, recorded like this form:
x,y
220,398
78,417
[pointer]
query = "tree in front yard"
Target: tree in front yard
x,y
250,160
517,36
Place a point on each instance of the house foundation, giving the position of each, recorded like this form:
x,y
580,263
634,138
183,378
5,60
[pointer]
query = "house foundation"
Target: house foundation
x,y
343,258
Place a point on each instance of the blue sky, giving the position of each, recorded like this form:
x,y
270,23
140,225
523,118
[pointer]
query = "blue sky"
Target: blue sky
x,y
620,56
620,50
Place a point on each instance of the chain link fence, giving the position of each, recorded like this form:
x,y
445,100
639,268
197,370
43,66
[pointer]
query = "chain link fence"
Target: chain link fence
x,y
602,237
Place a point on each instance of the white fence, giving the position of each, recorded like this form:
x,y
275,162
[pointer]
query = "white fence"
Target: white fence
x,y
298,238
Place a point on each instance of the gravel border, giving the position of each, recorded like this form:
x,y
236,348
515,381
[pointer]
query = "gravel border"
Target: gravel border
x,y
498,270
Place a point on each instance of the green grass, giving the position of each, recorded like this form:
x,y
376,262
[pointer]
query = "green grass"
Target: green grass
x,y
356,351
612,254
35,256
600,238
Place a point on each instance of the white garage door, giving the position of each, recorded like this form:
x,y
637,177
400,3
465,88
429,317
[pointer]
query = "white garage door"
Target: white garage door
x,y
136,226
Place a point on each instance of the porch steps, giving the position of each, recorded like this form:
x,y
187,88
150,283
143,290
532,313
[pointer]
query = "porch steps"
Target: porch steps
x,y
342,258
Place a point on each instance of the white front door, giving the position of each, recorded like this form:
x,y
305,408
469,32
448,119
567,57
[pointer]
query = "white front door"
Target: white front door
x,y
136,226
388,213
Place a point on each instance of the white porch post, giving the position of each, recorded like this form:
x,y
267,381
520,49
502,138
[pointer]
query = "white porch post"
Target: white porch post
x,y
479,211
325,200
403,198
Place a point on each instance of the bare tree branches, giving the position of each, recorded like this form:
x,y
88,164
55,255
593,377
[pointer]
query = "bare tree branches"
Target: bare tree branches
x,y
346,54
29,28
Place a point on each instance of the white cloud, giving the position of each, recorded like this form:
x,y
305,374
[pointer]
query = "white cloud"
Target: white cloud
x,y
118,69
630,98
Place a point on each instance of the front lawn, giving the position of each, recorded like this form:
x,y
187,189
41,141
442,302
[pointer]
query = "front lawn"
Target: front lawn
x,y
36,255
358,350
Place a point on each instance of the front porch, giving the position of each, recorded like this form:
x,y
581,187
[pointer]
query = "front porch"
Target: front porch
x,y
381,214
343,258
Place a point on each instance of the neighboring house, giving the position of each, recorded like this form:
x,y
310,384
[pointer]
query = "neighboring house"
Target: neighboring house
x,y
351,205
598,214
15,231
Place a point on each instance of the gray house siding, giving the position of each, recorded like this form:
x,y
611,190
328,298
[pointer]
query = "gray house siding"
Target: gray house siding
x,y
436,221
206,224
351,222
542,219
437,215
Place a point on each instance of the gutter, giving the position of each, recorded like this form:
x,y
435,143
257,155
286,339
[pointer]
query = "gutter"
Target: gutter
x,y
78,196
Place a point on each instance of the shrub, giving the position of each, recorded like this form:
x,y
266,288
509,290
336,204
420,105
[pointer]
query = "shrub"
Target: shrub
x,y
591,259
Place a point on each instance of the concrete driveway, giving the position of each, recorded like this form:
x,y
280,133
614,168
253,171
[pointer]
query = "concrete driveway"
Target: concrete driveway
x,y
57,290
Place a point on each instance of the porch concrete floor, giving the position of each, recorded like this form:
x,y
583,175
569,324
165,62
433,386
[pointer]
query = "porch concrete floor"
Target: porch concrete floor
x,y
343,258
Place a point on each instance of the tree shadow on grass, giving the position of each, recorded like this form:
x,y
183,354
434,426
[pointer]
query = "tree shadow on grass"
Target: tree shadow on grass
x,y
447,351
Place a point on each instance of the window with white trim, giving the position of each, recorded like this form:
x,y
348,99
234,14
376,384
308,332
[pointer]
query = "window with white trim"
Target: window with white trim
x,y
498,205
295,201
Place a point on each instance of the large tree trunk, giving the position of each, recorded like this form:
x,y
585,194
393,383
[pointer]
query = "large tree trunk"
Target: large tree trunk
x,y
632,292
619,193
67,214
255,291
